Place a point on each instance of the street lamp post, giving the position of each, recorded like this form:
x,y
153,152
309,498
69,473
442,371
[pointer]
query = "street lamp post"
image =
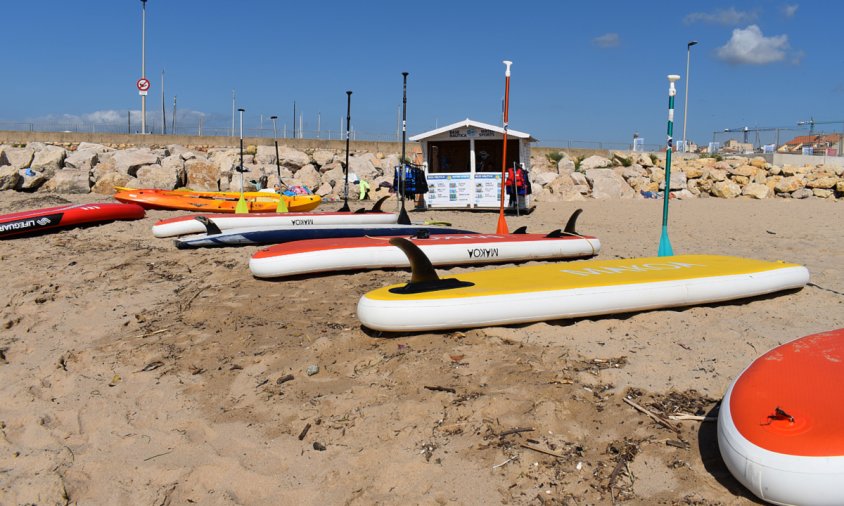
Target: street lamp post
x,y
686,106
143,64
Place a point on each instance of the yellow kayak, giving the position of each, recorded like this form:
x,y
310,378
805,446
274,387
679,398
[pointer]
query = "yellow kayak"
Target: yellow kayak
x,y
218,202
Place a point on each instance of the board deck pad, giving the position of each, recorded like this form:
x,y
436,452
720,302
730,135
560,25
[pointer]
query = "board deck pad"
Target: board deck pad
x,y
578,288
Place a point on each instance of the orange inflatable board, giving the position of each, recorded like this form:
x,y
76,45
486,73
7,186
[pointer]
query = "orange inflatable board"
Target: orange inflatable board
x,y
219,202
781,423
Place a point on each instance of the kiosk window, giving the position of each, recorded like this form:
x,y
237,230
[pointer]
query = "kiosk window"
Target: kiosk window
x,y
448,156
488,154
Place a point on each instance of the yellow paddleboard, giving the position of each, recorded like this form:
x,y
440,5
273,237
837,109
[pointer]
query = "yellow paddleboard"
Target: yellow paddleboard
x,y
572,289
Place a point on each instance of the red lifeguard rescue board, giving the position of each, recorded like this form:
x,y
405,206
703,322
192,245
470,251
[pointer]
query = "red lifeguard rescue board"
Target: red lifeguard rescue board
x,y
37,220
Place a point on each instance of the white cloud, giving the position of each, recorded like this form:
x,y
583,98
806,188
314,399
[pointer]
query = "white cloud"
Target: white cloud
x,y
607,40
750,46
727,17
790,10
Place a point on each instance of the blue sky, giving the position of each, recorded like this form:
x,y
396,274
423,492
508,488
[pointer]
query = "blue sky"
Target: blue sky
x,y
592,71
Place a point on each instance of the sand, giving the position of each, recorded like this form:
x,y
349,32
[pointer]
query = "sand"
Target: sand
x,y
136,373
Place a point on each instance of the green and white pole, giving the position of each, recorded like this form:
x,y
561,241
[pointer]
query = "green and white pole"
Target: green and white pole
x,y
665,249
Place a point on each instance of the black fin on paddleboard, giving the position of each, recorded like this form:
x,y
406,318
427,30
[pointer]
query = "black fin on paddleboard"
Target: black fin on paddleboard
x,y
423,277
572,223
210,226
554,234
377,207
521,230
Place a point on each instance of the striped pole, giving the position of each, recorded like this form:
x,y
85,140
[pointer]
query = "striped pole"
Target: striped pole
x,y
665,249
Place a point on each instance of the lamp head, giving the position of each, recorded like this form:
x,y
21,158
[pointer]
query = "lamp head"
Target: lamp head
x,y
242,110
405,74
349,93
273,117
673,78
691,43
508,63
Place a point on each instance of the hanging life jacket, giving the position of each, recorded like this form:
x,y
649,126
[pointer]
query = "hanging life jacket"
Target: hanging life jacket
x,y
520,185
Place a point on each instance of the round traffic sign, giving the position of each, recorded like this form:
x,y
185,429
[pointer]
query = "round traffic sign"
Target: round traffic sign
x,y
143,84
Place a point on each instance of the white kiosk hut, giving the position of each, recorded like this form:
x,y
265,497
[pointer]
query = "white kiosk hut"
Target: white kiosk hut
x,y
462,163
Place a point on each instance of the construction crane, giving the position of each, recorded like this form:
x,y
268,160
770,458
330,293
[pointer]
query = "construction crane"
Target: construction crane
x,y
756,130
812,123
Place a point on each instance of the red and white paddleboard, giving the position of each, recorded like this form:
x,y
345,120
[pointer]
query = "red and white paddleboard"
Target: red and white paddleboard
x,y
322,255
781,423
36,220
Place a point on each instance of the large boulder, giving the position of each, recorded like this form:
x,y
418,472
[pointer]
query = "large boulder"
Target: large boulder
x,y
742,170
802,193
107,181
825,182
226,159
545,178
70,181
9,177
90,146
726,189
756,190
129,161
48,160
678,181
693,171
3,159
292,158
715,173
20,158
563,188
789,184
595,162
30,180
266,154
156,176
334,177
363,167
308,176
565,164
202,175
82,159
608,185
325,156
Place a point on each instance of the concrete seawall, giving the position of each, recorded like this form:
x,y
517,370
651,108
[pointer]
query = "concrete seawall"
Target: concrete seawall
x,y
136,140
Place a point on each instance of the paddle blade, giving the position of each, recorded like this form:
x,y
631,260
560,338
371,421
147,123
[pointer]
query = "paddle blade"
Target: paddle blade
x,y
282,205
242,207
665,249
502,225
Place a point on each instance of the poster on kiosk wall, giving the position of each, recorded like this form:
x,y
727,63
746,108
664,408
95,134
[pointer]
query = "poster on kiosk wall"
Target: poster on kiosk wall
x,y
487,189
452,190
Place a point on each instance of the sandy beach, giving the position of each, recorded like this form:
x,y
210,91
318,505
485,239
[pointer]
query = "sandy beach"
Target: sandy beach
x,y
135,373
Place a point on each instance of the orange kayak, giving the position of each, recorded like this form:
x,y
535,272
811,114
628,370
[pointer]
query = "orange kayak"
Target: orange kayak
x,y
218,202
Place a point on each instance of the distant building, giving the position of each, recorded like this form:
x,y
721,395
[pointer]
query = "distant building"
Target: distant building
x,y
820,144
734,146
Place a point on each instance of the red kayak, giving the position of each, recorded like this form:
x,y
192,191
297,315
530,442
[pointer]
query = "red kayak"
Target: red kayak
x,y
37,220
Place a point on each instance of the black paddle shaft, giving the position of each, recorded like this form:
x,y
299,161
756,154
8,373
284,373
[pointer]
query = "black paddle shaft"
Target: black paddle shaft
x,y
348,135
403,219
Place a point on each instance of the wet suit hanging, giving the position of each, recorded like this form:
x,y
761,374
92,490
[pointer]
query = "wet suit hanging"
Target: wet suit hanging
x,y
414,181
